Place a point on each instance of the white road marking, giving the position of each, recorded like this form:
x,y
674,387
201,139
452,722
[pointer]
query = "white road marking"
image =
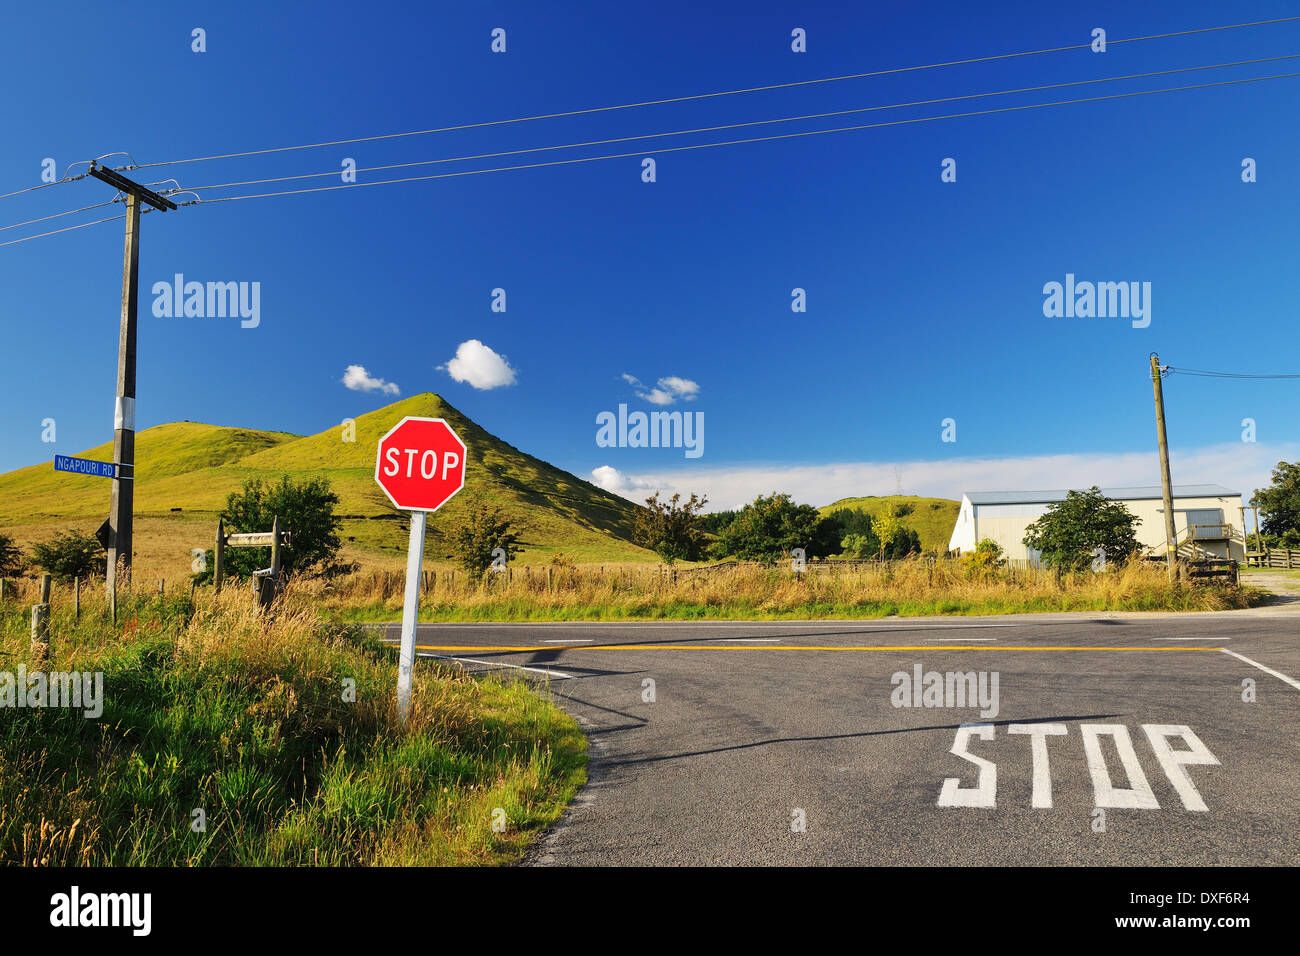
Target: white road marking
x,y
1174,760
1138,794
568,640
984,793
964,638
1266,670
519,667
745,640
1192,638
1038,734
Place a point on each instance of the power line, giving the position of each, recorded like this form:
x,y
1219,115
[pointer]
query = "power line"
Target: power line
x,y
736,142
57,215
1204,374
66,179
675,149
14,242
702,96
785,119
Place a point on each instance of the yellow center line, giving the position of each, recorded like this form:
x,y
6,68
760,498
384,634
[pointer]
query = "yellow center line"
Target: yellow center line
x,y
480,648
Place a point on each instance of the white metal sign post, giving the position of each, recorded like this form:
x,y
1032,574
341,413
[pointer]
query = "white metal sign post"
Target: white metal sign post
x,y
410,612
420,465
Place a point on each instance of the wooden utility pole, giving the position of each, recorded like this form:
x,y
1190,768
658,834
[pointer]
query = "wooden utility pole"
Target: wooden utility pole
x,y
1171,534
120,510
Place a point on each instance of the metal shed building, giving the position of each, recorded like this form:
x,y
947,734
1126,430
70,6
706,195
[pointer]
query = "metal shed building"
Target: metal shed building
x,y
1207,518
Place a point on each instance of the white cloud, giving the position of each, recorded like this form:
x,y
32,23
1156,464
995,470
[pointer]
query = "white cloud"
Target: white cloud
x,y
479,366
358,379
1239,466
670,389
615,482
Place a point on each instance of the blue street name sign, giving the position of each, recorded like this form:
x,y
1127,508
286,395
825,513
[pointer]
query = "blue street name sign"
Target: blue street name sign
x,y
84,466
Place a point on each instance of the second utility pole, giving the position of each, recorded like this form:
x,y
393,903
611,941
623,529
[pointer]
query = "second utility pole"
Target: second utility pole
x,y
1171,534
120,511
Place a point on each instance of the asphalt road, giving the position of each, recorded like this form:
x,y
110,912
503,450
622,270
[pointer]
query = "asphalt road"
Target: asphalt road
x,y
795,743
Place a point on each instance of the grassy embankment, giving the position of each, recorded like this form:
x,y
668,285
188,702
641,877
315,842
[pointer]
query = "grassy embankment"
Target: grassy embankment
x,y
212,708
754,593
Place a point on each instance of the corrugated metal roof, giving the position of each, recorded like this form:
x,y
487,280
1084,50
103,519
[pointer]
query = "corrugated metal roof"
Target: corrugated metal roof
x,y
1118,494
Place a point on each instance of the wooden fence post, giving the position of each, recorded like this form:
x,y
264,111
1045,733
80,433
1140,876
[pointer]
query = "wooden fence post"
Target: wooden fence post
x,y
218,555
76,599
40,633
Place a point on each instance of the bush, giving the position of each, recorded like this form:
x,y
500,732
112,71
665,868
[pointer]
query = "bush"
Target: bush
x,y
769,528
11,559
305,509
71,554
670,528
856,545
985,561
474,540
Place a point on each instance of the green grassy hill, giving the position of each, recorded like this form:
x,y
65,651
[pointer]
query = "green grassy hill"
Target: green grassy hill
x,y
185,471
931,518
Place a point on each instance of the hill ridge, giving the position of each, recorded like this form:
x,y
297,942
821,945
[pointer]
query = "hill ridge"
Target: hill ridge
x,y
190,467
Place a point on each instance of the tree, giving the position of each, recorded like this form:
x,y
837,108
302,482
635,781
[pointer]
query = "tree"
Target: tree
x,y
1072,530
11,559
1279,505
850,521
715,521
887,528
482,531
671,529
71,554
859,545
770,527
306,510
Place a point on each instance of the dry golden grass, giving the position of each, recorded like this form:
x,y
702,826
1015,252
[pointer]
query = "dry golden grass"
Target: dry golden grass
x,y
911,587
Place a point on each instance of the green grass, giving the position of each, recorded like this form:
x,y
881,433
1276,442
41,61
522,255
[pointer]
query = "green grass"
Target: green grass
x,y
212,709
931,518
1279,571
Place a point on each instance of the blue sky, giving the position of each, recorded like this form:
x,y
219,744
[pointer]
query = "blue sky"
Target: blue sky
x,y
924,298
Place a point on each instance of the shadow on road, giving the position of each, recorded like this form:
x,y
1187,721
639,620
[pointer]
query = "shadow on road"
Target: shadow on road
x,y
868,733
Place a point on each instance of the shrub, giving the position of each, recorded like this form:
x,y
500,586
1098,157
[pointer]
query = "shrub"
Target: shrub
x,y
984,561
483,532
671,529
11,559
71,554
305,509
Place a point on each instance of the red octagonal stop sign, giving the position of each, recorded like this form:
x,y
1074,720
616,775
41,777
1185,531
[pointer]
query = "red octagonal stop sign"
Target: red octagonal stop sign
x,y
421,464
